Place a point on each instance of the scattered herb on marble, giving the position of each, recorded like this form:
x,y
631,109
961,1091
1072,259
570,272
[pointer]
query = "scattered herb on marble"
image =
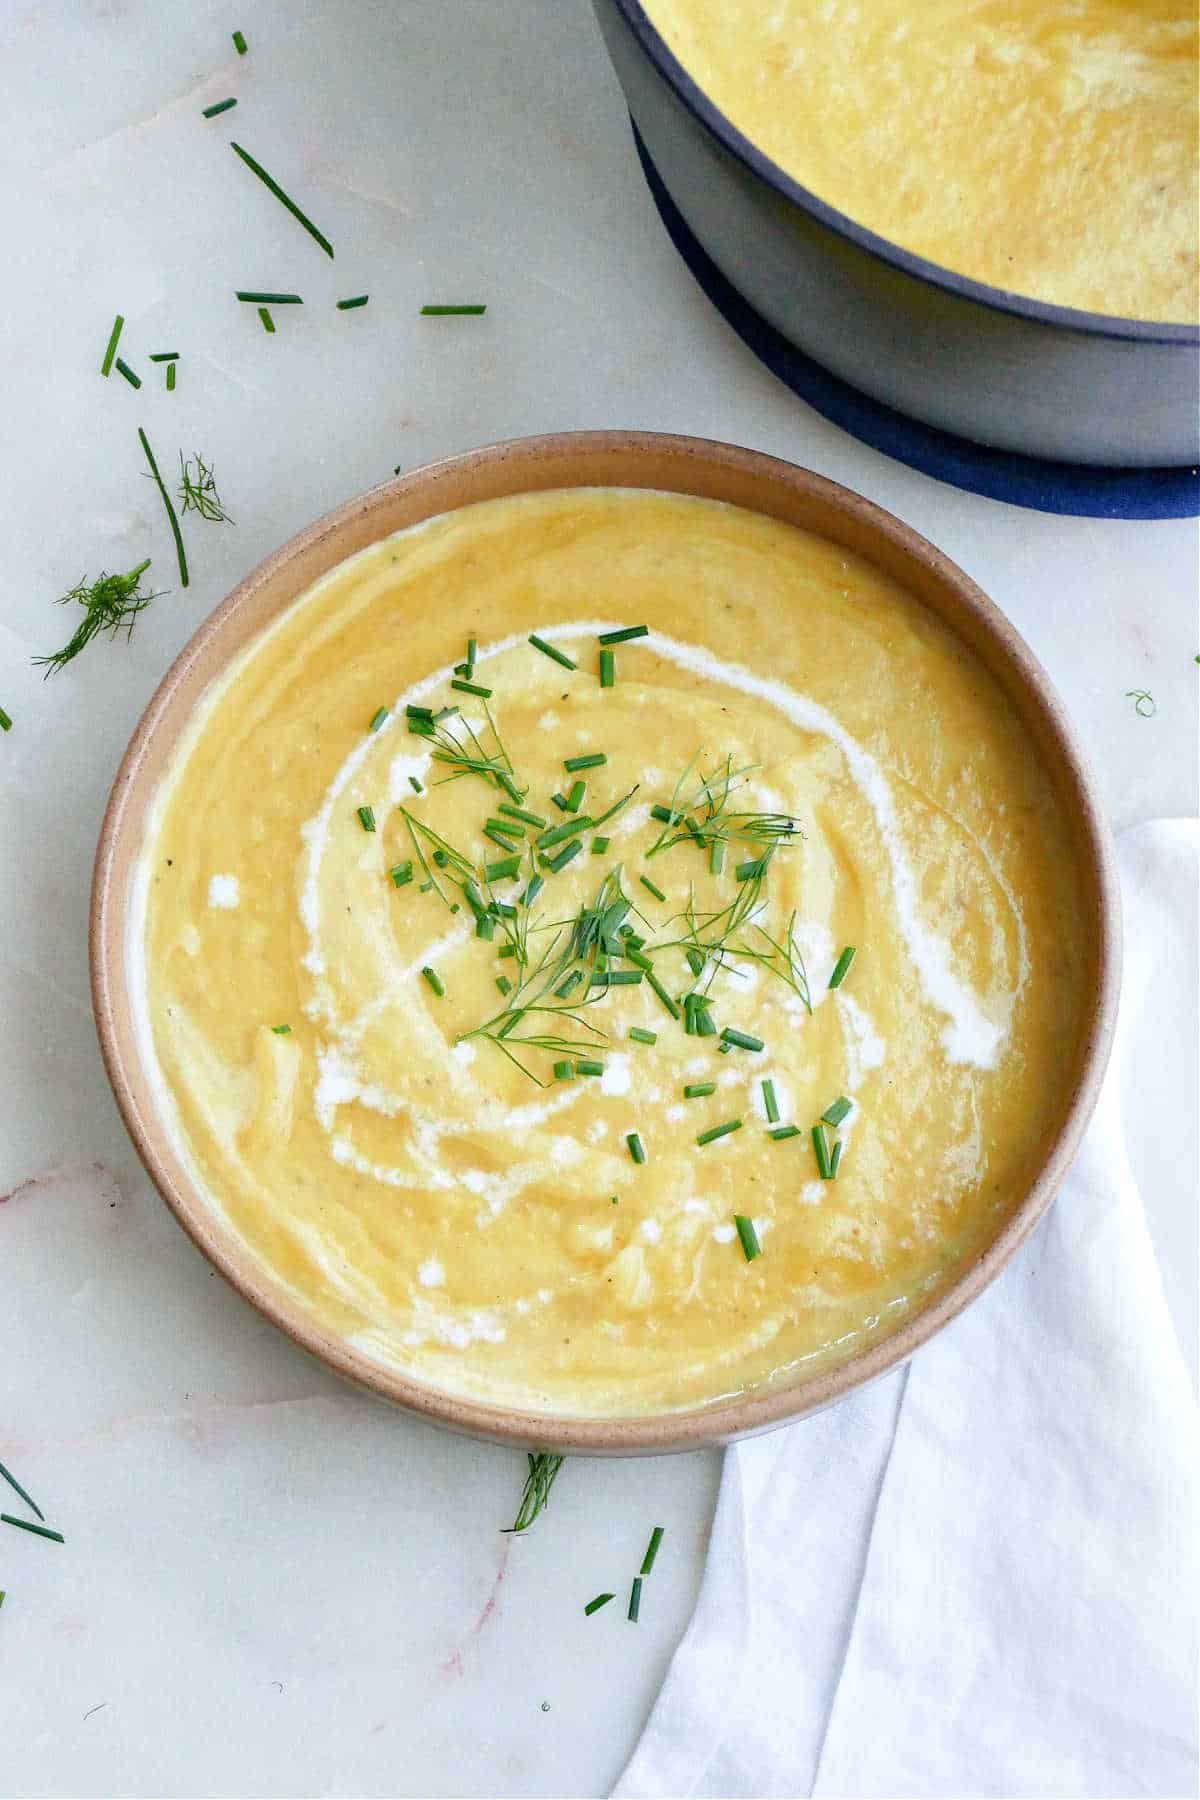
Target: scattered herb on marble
x,y
252,297
355,301
285,199
111,347
239,42
448,312
543,1468
43,1531
15,1485
180,553
124,369
198,490
219,106
111,603
5,720
1144,704
595,1605
656,1538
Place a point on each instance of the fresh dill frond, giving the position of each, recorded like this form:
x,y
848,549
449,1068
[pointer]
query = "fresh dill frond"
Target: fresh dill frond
x,y
470,756
543,1468
702,815
111,603
198,490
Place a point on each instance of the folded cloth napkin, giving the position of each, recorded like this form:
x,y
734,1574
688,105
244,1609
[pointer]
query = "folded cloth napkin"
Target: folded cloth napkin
x,y
978,1576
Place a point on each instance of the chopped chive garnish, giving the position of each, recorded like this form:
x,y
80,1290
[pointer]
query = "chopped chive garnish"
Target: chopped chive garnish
x,y
635,1599
595,1605
501,838
518,812
366,817
569,985
485,927
596,759
418,712
636,1148
5,721
650,887
835,1159
16,1487
741,1039
124,369
111,348
256,299
617,978
748,1236
434,979
624,636
784,1131
663,995
507,950
425,887
833,1115
38,1530
239,43
746,871
281,1030
401,874
641,1036
557,656
558,834
555,863
564,1071
575,797
503,868
471,687
506,828
608,669
770,1103
269,181
170,378
531,893
210,112
716,856
663,814
378,719
656,1538
719,1131
474,899
559,800
588,1066
695,961
180,554
415,785
699,1090
449,312
820,1144
600,845
841,967
504,984
354,301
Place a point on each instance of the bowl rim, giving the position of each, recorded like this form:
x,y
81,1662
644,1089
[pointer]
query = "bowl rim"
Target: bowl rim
x,y
131,796
908,262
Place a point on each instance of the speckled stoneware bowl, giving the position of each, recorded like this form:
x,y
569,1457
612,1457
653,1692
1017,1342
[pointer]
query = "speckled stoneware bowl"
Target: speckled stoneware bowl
x,y
586,459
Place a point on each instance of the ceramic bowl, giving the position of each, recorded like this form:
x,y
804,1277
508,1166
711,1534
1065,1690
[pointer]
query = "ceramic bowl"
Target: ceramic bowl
x,y
614,459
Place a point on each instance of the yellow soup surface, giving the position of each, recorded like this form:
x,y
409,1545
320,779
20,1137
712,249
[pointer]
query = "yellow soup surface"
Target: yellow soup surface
x,y
465,1161
1048,147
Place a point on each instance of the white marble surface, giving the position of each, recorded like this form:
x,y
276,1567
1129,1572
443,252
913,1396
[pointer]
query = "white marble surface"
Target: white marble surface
x,y
271,1585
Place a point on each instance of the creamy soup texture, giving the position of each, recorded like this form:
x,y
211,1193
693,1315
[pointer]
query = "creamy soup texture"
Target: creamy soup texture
x,y
470,1126
1048,147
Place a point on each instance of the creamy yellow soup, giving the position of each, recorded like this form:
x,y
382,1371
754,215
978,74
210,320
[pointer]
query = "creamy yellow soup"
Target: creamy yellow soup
x,y
475,1128
1049,149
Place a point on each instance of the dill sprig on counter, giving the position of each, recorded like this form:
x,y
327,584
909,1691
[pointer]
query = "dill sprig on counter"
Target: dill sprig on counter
x,y
111,603
198,490
543,1468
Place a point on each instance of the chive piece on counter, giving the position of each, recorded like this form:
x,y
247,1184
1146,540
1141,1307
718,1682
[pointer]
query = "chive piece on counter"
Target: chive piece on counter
x,y
172,519
518,812
663,995
536,884
588,1066
124,369
170,378
239,43
841,967
452,312
415,785
623,636
164,356
595,759
252,297
281,1030
641,1036
435,981
268,323
546,649
699,1090
719,1131
820,1144
269,182
747,1236
716,856
471,687
833,1115
38,1530
635,1599
770,1103
575,797
608,669
5,720
742,1040
555,863
564,1071
111,348
600,845
502,869
784,1131
401,874
595,1605
378,719
355,300
16,1487
558,834
637,1149
835,1159
366,817
656,1538
210,112
650,887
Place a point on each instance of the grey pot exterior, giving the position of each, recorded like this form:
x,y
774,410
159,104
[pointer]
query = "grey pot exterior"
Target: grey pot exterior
x,y
1004,371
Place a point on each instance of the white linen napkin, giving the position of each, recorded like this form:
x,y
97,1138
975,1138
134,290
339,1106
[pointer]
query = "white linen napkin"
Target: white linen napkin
x,y
977,1577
